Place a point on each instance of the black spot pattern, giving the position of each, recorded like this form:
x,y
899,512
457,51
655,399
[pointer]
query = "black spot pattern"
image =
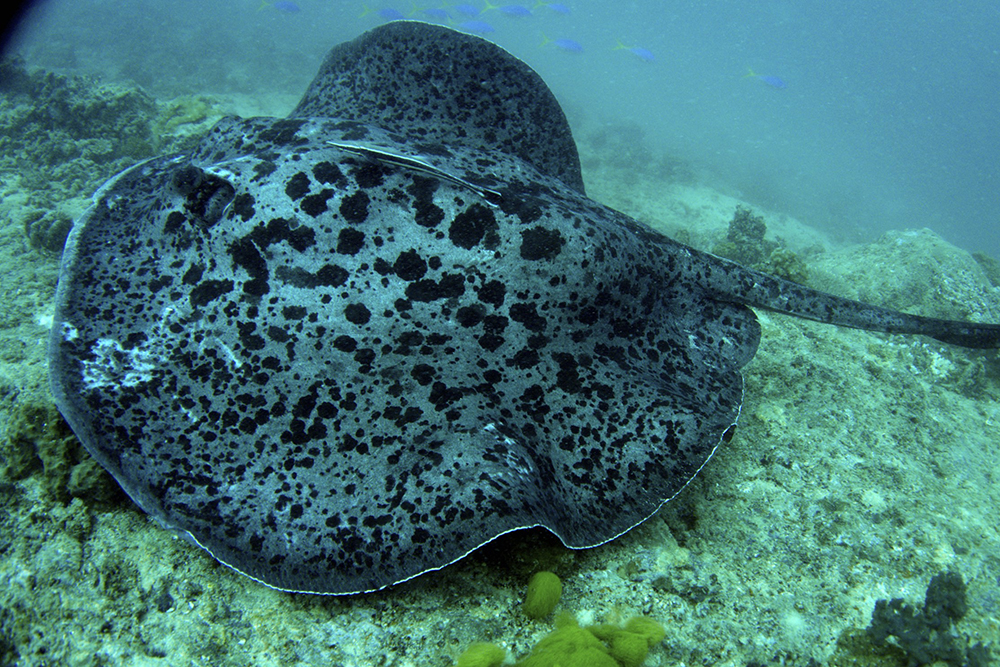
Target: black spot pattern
x,y
298,186
357,313
472,226
496,101
410,265
335,379
350,241
354,207
363,365
541,243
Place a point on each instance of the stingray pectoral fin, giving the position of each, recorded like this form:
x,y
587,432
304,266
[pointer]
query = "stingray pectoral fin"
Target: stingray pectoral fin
x,y
734,282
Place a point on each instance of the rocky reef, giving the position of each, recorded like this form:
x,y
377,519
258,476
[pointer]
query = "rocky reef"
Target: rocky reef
x,y
62,136
745,243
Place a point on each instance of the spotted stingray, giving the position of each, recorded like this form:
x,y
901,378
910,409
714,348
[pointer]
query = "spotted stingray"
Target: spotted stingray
x,y
343,348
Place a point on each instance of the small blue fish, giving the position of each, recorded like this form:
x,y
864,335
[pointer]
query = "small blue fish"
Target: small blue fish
x,y
386,14
642,54
773,81
437,14
475,25
467,10
563,43
283,6
514,11
557,7
390,14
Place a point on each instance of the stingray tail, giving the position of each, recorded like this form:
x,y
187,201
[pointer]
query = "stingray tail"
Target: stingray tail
x,y
737,283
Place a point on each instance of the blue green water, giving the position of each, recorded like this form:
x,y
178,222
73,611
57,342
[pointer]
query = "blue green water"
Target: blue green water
x,y
886,119
863,464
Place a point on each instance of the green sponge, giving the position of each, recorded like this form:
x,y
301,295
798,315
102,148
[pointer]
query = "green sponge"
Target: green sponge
x,y
544,591
569,646
481,655
647,627
629,645
629,649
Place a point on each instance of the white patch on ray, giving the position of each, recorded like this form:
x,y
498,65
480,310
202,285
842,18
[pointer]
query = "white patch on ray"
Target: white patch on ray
x,y
114,366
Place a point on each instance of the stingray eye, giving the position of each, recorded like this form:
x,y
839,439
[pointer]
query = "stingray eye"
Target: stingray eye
x,y
206,196
730,433
186,179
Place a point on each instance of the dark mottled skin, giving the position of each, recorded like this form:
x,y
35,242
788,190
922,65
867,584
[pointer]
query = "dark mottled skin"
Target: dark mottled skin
x,y
335,373
394,77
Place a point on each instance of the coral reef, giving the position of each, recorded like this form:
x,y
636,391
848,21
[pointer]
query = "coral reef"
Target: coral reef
x,y
847,494
625,148
925,635
746,234
621,145
785,264
63,136
39,441
745,243
745,239
50,119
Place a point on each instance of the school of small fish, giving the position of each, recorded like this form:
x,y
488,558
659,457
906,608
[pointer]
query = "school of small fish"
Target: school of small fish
x,y
482,19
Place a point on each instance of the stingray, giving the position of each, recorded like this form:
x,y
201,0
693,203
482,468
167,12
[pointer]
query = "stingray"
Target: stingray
x,y
347,347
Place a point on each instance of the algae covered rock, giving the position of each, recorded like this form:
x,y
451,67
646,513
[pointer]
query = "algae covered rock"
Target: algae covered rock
x,y
184,117
745,243
40,443
990,266
61,137
912,270
925,635
785,264
745,239
47,228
